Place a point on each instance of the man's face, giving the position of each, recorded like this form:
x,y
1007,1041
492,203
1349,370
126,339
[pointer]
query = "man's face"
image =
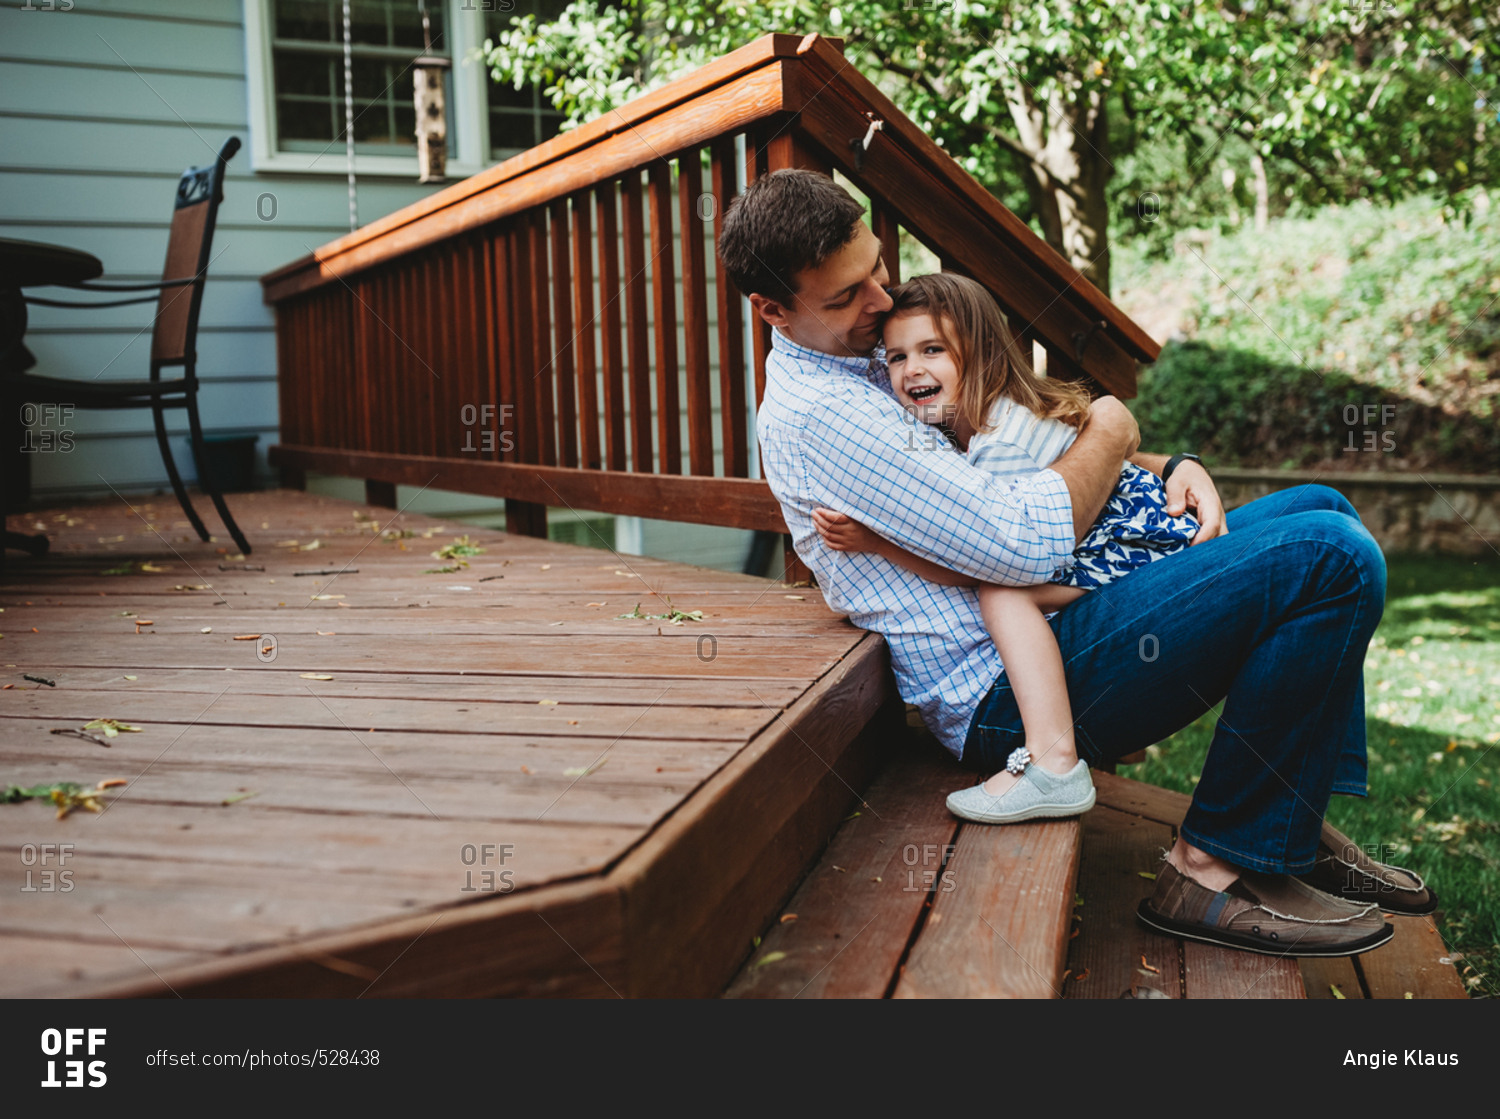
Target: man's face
x,y
839,304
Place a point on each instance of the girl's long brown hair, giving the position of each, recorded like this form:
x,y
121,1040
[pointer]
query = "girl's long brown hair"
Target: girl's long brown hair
x,y
990,362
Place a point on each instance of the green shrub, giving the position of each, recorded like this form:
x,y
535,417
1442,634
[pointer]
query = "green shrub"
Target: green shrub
x,y
1239,408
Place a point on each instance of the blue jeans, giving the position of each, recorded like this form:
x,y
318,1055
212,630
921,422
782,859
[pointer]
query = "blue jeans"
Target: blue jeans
x,y
1273,618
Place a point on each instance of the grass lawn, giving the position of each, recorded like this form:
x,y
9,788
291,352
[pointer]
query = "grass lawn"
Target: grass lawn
x,y
1432,685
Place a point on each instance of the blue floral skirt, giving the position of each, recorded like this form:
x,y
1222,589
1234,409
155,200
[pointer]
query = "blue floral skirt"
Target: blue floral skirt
x,y
1133,530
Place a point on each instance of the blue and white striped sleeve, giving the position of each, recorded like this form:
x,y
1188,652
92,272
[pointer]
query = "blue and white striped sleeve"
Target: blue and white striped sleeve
x,y
907,484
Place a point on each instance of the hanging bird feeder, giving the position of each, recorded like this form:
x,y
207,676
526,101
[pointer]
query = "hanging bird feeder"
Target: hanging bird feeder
x,y
429,84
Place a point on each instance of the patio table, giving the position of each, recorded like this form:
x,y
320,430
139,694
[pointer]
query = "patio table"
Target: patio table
x,y
25,264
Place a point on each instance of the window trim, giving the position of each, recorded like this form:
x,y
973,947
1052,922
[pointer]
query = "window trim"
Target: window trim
x,y
468,115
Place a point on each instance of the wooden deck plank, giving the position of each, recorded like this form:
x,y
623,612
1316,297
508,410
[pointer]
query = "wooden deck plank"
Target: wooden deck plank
x,y
1320,977
1001,932
1412,964
1223,973
36,967
562,941
1104,959
855,913
311,710
1140,799
474,686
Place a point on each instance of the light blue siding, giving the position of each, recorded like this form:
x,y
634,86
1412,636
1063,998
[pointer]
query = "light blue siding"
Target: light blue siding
x,y
101,108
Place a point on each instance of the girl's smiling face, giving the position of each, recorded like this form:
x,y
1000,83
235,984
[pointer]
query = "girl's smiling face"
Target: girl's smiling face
x,y
924,375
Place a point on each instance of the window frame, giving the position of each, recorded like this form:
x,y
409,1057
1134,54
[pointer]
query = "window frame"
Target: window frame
x,y
468,113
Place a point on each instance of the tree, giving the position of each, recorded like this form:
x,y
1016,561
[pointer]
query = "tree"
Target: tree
x,y
1363,100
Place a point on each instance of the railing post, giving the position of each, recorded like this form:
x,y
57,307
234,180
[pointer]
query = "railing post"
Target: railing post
x,y
380,494
525,518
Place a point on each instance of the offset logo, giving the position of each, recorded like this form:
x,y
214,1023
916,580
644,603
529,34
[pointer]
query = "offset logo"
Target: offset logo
x,y
67,1043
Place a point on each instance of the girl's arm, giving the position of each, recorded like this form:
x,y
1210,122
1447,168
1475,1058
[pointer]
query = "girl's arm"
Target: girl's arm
x,y
844,534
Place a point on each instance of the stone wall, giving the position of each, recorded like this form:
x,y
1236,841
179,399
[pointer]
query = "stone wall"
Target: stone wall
x,y
1454,513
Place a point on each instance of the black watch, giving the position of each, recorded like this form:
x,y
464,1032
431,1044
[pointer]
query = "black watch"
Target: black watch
x,y
1174,462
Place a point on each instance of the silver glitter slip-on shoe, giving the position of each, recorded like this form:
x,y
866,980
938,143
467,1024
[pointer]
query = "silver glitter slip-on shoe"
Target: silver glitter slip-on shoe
x,y
1039,794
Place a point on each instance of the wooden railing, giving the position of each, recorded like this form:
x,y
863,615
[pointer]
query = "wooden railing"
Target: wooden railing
x,y
519,334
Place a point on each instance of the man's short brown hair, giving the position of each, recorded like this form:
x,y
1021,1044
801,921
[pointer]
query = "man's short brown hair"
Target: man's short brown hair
x,y
785,222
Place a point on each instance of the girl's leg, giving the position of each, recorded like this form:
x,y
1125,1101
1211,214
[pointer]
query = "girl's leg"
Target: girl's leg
x,y
1015,618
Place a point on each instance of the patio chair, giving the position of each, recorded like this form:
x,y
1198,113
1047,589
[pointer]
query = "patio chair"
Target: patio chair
x,y
173,337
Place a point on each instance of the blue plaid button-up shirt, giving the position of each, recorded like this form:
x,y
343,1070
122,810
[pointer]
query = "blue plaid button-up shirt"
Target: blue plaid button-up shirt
x,y
832,436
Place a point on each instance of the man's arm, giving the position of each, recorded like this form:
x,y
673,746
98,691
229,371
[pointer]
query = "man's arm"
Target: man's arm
x,y
861,455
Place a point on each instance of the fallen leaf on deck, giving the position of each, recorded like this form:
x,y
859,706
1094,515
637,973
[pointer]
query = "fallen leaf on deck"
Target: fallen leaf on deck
x,y
316,676
110,539
1081,976
237,797
325,597
123,569
248,637
66,795
1147,966
785,917
110,727
206,629
326,633
596,604
1146,874
572,722
546,703
796,597
1333,987
131,677
769,958
192,587
156,568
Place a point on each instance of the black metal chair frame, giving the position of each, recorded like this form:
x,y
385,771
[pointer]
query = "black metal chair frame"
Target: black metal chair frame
x,y
198,185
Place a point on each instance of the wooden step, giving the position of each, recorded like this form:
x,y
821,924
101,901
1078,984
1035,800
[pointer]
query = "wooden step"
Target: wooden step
x,y
908,902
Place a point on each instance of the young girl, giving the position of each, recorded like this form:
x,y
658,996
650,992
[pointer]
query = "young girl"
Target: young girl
x,y
954,364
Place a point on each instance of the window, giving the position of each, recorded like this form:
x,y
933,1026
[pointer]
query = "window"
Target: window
x,y
307,60
295,72
519,119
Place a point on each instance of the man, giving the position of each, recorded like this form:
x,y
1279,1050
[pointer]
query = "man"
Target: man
x,y
1272,617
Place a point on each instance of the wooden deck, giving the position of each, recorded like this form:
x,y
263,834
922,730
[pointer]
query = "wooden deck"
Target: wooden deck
x,y
483,782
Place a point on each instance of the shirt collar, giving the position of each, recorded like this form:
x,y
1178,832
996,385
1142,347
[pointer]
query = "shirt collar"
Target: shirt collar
x,y
866,366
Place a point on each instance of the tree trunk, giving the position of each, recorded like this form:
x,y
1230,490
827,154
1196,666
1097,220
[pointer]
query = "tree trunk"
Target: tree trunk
x,y
1067,140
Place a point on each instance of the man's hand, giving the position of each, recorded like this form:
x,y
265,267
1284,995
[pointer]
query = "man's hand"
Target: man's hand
x,y
843,533
1191,489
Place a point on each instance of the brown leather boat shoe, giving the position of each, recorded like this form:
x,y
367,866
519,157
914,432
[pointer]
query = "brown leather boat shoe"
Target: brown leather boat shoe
x,y
1344,869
